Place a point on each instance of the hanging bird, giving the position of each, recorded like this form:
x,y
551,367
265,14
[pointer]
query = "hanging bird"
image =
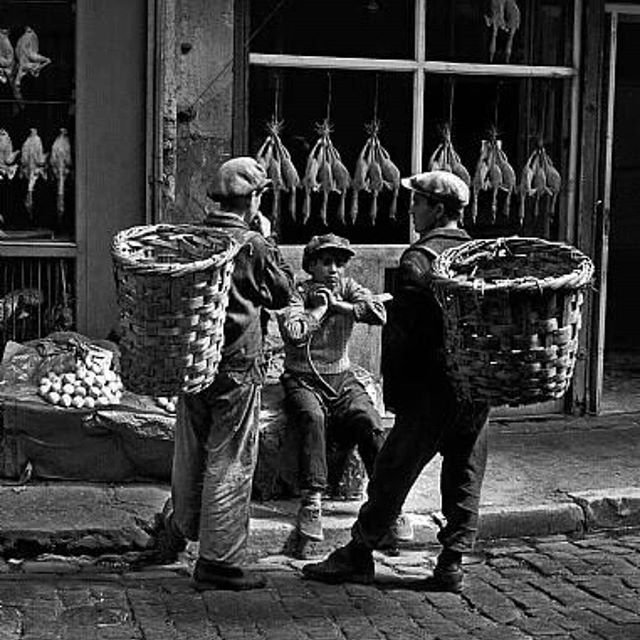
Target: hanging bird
x,y
32,165
8,166
60,163
7,56
30,61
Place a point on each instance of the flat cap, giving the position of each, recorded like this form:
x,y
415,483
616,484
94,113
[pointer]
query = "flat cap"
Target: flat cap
x,y
238,177
326,242
441,185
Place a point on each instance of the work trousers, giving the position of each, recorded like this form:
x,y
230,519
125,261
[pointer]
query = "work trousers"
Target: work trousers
x,y
347,418
216,447
441,424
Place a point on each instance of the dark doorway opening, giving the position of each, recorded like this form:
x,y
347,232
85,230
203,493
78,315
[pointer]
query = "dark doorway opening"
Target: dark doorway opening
x,y
621,387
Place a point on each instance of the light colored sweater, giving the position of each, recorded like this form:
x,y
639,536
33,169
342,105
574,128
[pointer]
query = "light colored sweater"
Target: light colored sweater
x,y
329,337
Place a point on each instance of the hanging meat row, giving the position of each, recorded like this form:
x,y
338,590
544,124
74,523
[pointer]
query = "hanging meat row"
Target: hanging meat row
x,y
326,174
539,179
31,163
375,172
25,59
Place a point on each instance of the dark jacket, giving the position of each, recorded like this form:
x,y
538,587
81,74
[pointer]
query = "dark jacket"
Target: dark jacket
x,y
261,279
412,341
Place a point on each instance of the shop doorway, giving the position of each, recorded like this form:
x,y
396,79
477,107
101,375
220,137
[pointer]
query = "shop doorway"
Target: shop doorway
x,y
619,351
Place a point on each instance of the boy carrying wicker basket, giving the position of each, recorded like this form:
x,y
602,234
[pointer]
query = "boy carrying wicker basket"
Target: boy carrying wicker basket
x,y
430,419
216,436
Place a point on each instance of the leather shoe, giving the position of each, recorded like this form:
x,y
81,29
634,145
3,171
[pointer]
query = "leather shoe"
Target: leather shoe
x,y
447,576
212,575
351,563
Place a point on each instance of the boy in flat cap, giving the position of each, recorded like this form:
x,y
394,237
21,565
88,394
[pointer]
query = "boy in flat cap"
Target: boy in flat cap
x,y
430,419
322,393
217,429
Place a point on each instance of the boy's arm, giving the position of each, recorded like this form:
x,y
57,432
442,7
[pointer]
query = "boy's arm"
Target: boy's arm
x,y
297,324
366,307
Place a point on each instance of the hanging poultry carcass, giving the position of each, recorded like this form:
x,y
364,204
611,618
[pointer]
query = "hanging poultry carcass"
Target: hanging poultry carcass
x,y
60,163
541,181
504,15
33,162
8,164
276,160
374,172
325,172
7,57
28,58
445,158
492,173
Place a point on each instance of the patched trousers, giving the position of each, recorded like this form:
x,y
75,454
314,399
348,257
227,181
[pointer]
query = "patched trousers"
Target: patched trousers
x,y
216,447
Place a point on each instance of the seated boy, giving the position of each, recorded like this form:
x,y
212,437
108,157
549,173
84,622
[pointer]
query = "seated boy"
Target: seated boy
x,y
322,393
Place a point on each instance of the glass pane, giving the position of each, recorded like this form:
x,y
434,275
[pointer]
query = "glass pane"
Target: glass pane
x,y
301,97
529,32
516,115
36,103
344,28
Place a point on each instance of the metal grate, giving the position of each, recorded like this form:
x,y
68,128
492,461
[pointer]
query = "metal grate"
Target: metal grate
x,y
36,297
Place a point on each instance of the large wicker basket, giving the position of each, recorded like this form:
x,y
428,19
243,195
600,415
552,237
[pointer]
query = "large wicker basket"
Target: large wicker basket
x,y
172,285
512,313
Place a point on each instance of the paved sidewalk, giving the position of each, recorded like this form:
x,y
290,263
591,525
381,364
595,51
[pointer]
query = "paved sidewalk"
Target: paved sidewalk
x,y
544,477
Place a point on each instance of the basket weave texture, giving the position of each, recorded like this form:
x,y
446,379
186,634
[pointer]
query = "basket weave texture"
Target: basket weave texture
x,y
172,284
512,315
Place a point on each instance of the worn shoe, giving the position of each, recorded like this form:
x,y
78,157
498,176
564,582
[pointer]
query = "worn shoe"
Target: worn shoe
x,y
351,563
447,575
400,531
402,528
309,522
212,575
168,542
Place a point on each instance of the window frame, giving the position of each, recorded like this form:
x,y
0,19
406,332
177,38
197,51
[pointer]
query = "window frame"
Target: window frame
x,y
420,68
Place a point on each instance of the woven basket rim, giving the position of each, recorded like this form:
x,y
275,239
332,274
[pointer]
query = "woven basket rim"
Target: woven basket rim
x,y
175,269
580,276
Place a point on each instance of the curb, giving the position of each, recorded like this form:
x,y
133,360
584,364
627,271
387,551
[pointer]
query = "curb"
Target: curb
x,y
83,527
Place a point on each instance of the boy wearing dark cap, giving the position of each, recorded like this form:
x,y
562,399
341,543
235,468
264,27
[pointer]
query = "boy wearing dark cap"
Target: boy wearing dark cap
x,y
216,434
321,390
430,419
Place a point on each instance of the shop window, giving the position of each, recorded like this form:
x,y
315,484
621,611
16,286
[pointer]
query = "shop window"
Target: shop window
x,y
429,67
37,129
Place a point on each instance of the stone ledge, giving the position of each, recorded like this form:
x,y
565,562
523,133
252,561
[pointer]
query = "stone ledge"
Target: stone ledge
x,y
609,508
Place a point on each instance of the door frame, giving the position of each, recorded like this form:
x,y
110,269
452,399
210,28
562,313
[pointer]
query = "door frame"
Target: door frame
x,y
603,217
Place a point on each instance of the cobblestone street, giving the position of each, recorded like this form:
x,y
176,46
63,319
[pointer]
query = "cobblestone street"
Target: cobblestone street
x,y
587,588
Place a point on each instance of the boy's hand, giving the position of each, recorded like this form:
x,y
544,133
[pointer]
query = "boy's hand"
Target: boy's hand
x,y
318,303
319,297
261,224
336,305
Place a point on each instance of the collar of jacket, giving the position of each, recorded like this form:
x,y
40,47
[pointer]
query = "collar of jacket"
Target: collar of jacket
x,y
441,232
225,220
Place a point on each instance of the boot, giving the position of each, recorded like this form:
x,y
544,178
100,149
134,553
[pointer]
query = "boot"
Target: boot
x,y
214,575
351,563
447,575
